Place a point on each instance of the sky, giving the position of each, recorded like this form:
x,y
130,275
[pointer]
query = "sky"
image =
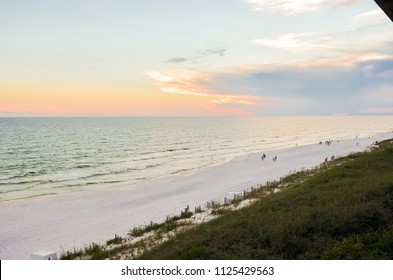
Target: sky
x,y
194,58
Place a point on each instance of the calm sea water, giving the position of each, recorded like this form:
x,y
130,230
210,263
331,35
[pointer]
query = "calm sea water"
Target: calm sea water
x,y
40,156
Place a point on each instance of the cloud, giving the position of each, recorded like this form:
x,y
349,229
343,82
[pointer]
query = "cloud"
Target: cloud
x,y
297,42
343,3
328,75
323,47
295,7
177,82
159,77
287,7
177,60
219,52
201,55
356,84
345,61
317,90
192,83
376,14
244,100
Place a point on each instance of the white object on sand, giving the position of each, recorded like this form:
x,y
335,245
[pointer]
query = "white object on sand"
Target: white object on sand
x,y
44,255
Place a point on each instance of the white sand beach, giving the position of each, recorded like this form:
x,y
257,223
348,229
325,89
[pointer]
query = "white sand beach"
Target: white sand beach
x,y
62,222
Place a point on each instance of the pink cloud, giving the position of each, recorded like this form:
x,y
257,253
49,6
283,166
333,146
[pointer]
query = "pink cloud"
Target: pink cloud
x,y
188,83
178,82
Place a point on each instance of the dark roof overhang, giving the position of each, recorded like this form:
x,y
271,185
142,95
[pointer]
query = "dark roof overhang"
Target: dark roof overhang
x,y
387,7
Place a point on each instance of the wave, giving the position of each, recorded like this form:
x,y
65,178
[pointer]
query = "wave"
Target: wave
x,y
7,177
26,174
81,176
152,165
87,165
71,177
111,182
175,150
140,178
20,183
181,171
12,190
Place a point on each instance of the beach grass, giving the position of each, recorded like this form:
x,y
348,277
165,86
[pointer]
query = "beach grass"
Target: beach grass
x,y
139,239
340,210
343,212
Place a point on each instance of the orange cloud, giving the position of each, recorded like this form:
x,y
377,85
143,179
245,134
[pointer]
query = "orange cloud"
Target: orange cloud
x,y
248,100
181,82
178,82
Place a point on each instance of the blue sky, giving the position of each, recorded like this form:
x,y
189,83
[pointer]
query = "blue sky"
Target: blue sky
x,y
195,57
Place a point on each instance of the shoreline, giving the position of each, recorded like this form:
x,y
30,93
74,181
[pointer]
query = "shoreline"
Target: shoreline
x,y
71,220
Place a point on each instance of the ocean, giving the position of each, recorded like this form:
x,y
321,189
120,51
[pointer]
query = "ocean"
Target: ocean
x,y
43,156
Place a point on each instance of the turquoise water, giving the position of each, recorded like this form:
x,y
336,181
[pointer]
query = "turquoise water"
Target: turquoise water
x,y
42,156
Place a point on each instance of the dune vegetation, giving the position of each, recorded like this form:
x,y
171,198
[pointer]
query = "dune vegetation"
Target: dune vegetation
x,y
341,210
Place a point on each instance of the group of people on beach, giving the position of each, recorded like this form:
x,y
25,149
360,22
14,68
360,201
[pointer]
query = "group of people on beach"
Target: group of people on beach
x,y
264,156
327,142
331,158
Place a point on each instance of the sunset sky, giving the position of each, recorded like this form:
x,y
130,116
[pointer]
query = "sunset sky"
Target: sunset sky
x,y
194,58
